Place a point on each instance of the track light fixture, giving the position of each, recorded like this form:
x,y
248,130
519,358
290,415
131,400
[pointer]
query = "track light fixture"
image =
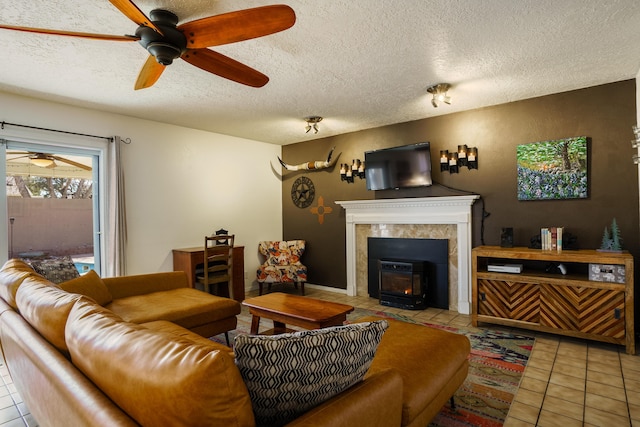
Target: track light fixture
x,y
312,123
439,92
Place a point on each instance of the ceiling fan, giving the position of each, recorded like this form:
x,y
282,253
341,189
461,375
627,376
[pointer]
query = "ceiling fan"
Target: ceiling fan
x,y
45,160
165,40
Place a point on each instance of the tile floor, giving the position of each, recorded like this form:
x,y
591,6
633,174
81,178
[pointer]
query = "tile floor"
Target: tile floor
x,y
567,382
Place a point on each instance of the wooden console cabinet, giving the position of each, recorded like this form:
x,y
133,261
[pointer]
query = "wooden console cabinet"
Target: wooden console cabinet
x,y
541,298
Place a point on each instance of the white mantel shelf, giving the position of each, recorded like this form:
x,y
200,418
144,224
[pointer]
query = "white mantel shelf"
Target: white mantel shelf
x,y
423,210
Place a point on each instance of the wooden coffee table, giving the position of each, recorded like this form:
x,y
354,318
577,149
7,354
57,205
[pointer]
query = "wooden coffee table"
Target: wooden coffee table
x,y
305,312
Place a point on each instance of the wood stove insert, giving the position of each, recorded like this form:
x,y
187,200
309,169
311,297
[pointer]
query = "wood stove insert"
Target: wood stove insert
x,y
403,283
433,252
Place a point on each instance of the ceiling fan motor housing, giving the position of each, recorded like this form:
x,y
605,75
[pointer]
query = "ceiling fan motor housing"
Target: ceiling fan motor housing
x,y
169,45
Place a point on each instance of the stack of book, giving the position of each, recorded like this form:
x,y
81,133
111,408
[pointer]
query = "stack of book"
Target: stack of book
x,y
551,238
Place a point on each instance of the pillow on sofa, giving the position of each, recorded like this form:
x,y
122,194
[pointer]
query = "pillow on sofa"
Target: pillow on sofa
x,y
89,285
56,270
46,308
156,377
291,373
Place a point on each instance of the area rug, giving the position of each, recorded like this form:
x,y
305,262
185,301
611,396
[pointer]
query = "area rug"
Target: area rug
x,y
496,364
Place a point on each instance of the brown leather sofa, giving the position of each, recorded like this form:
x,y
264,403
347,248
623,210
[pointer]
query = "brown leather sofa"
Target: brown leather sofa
x,y
77,362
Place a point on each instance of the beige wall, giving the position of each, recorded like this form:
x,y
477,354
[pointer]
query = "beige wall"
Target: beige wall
x,y
603,113
181,183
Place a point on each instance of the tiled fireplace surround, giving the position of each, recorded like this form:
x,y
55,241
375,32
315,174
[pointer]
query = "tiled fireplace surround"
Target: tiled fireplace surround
x,y
417,218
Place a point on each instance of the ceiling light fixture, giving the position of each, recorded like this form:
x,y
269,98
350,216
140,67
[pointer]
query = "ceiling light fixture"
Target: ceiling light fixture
x,y
41,160
312,123
439,93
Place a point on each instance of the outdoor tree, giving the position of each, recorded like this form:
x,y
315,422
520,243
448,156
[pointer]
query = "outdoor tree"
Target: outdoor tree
x,y
58,188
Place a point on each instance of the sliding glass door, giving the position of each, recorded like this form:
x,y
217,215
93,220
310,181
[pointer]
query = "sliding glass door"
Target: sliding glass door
x,y
51,202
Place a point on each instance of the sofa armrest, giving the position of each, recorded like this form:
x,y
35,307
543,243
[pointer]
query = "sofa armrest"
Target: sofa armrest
x,y
374,402
142,284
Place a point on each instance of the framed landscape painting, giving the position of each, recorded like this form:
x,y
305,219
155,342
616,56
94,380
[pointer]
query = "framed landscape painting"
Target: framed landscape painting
x,y
550,170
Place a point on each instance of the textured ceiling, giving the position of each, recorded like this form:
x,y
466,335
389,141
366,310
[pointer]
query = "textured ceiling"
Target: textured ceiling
x,y
358,63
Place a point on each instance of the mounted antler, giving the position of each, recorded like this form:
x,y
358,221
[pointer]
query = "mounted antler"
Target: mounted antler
x,y
310,165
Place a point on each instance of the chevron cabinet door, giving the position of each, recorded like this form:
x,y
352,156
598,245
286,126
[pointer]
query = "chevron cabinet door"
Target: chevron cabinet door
x,y
509,300
587,310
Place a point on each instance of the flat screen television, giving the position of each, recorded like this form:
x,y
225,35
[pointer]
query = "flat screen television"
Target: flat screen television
x,y
398,167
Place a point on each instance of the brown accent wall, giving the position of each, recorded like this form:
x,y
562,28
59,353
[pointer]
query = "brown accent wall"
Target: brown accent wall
x,y
604,113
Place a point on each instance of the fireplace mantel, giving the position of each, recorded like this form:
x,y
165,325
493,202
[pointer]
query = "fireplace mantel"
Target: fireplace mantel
x,y
425,210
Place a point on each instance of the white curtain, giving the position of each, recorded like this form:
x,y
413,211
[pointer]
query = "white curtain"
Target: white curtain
x,y
116,240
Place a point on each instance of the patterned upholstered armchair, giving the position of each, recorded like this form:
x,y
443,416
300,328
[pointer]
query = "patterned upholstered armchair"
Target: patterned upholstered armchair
x,y
282,264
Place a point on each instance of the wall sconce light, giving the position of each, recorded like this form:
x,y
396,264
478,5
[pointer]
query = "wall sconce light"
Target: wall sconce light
x,y
444,160
439,92
312,123
635,143
345,172
472,158
349,172
464,156
453,162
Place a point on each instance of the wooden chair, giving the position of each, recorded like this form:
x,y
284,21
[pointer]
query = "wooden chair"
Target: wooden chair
x,y
218,250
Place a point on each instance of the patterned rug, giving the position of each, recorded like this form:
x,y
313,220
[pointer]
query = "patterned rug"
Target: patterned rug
x,y
496,364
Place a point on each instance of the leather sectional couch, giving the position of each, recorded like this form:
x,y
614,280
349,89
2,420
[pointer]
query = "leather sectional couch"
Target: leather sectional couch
x,y
125,353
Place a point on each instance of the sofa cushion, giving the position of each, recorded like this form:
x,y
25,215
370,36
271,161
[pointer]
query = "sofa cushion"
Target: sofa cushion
x,y
46,308
57,270
157,378
89,285
404,348
12,274
187,307
291,373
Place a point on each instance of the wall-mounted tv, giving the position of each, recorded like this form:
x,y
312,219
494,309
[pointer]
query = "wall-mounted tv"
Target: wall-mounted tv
x,y
398,167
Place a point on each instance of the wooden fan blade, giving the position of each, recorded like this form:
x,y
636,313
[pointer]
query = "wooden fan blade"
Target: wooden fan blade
x,y
72,34
150,73
224,66
132,12
237,26
19,157
71,162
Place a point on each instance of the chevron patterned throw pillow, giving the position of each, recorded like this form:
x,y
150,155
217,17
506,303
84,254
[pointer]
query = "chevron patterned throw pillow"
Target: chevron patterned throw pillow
x,y
288,374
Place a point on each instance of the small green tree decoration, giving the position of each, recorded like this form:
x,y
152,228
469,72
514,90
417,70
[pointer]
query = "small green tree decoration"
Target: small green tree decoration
x,y
611,240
